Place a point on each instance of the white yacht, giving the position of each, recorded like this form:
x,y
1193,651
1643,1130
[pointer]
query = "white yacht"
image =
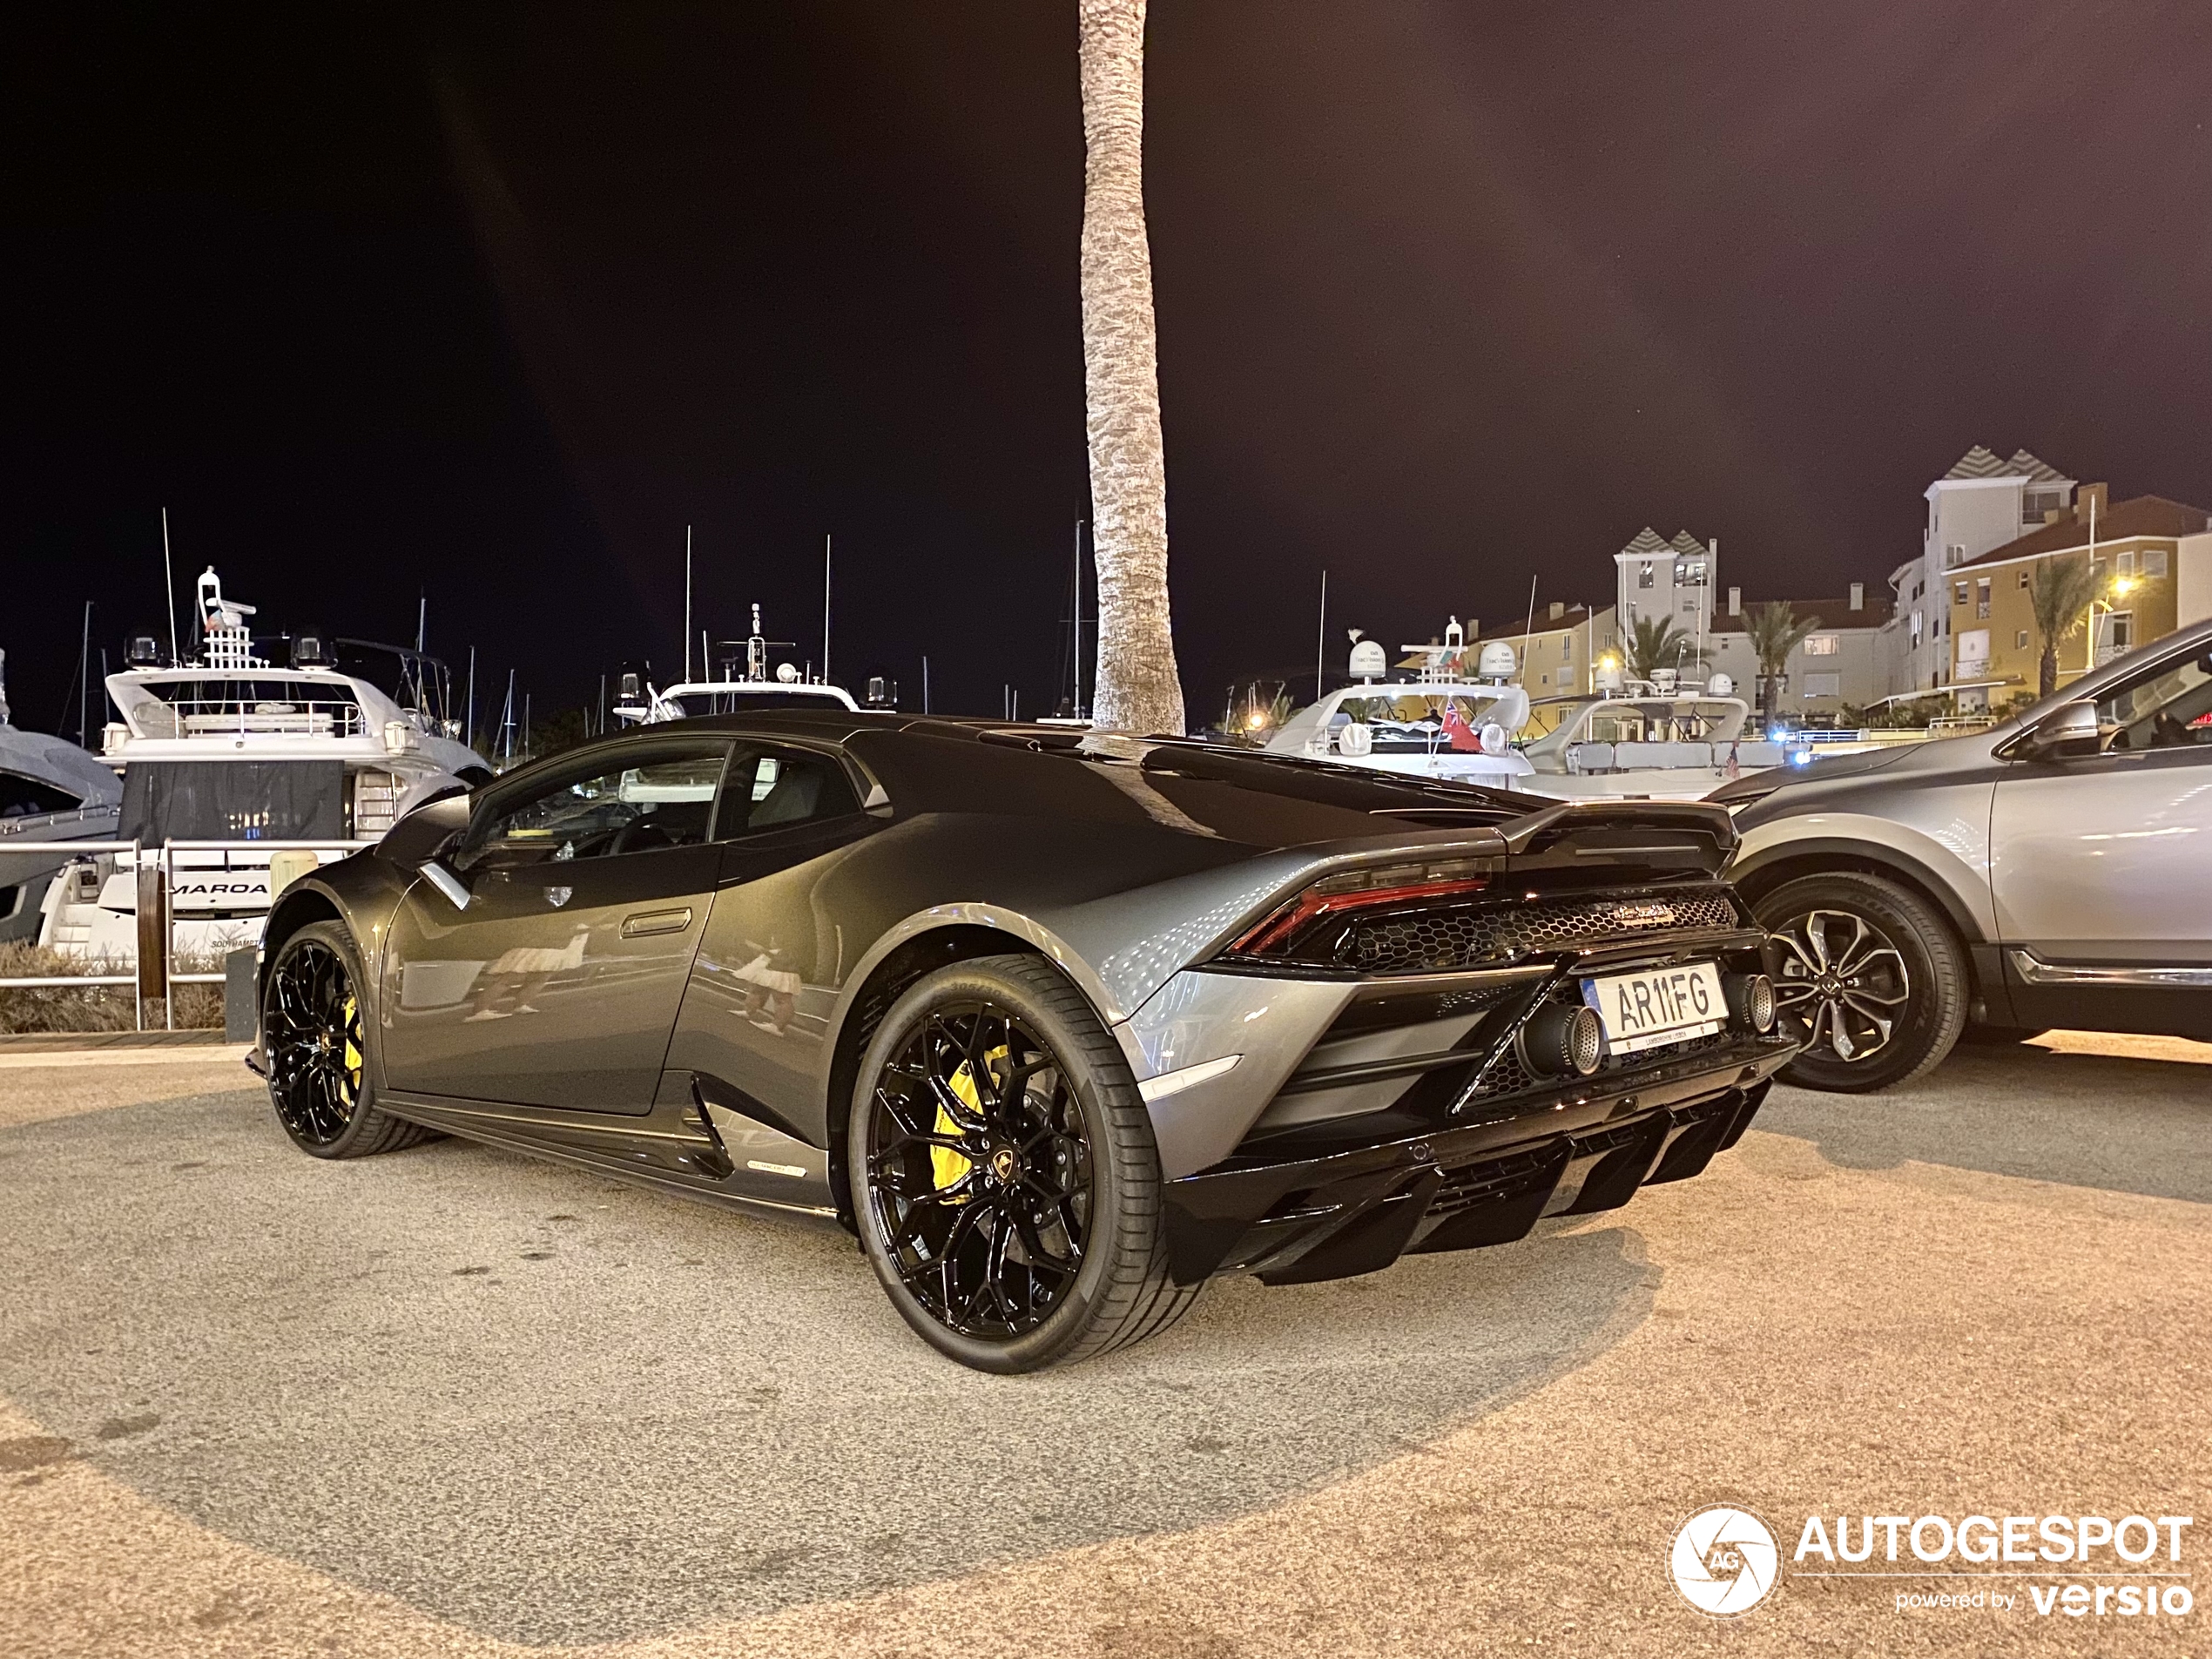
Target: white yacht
x,y
747,685
50,790
1647,741
233,747
1443,723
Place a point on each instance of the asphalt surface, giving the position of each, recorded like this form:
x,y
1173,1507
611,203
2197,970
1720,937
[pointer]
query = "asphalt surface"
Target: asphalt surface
x,y
452,1401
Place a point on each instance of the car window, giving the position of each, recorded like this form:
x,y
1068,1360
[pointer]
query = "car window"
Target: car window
x,y
774,788
2167,708
665,799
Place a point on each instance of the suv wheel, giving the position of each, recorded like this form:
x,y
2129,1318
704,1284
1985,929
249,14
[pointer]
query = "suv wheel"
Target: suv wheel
x,y
1869,975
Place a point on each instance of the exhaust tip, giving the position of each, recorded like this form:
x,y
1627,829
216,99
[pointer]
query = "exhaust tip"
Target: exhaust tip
x,y
1750,998
1564,1041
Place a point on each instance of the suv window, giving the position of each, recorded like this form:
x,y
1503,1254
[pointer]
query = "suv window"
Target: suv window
x,y
773,789
2167,707
663,799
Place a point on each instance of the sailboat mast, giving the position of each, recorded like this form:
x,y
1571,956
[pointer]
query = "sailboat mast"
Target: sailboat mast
x,y
169,588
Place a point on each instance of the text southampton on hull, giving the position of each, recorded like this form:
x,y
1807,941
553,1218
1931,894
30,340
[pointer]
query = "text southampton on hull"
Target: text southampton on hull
x,y
747,683
283,738
1441,722
50,790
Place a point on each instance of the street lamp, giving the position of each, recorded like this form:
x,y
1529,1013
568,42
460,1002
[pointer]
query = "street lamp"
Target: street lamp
x,y
2118,588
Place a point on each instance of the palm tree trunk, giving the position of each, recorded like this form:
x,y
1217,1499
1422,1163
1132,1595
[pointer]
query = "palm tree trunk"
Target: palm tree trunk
x,y
2046,675
1138,689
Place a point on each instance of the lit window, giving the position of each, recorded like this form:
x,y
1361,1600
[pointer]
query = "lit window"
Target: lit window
x,y
1981,598
2128,562
1644,577
1822,645
2154,562
1960,597
2019,639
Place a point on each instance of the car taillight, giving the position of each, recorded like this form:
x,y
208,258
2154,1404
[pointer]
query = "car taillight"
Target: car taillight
x,y
1337,895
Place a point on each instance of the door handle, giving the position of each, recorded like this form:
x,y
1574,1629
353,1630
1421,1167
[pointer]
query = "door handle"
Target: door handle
x,y
642,922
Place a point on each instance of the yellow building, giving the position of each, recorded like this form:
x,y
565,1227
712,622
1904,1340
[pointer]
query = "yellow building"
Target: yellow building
x,y
1555,652
1996,652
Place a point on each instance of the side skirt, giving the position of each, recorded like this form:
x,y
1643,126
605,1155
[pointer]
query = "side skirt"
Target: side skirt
x,y
669,1148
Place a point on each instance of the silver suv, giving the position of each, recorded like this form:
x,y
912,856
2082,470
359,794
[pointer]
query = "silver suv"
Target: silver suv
x,y
2056,871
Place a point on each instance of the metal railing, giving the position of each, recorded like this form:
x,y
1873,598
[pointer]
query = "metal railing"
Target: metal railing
x,y
155,944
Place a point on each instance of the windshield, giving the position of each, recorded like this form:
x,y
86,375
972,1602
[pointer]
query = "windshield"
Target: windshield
x,y
1409,709
735,701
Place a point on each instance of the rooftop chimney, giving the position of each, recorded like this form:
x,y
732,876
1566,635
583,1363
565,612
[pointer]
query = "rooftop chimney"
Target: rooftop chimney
x,y
1558,608
1858,596
2087,497
1736,602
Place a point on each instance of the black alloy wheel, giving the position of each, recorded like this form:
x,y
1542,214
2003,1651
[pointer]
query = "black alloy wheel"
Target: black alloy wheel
x,y
1868,974
1003,1173
979,1171
315,1052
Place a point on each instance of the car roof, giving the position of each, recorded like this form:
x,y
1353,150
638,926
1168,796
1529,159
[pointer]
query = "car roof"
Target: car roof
x,y
935,764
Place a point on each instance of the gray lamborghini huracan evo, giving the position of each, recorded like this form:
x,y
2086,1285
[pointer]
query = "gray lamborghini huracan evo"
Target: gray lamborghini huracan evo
x,y
1060,1026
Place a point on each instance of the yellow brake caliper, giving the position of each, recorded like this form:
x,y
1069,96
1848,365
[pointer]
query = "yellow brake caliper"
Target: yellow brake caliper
x,y
946,1167
353,1054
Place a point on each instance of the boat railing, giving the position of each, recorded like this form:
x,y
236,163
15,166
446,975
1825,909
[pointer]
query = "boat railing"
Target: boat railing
x,y
26,822
150,969
313,713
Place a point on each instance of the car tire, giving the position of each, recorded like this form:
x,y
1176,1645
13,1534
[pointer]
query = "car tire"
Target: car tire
x,y
1870,974
321,1081
1012,1228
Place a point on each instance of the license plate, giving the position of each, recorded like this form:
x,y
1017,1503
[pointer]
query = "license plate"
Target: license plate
x,y
1663,1005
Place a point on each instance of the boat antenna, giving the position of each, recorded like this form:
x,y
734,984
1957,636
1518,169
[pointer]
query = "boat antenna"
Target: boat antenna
x,y
1079,619
472,696
1321,637
924,686
687,601
422,618
1529,628
825,609
169,590
83,661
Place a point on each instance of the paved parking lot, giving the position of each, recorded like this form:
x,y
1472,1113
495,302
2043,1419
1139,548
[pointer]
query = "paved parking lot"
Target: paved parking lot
x,y
452,1402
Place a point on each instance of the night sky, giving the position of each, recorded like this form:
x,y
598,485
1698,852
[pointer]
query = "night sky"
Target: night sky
x,y
488,303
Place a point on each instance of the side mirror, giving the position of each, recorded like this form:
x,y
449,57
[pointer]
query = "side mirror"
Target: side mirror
x,y
420,841
424,833
2069,732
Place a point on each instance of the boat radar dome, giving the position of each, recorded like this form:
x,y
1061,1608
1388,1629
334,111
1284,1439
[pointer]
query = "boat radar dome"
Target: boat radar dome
x,y
1720,685
1497,662
787,673
1368,662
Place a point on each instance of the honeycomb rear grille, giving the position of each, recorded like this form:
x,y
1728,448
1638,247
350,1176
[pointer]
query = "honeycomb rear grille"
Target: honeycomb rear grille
x,y
1443,937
